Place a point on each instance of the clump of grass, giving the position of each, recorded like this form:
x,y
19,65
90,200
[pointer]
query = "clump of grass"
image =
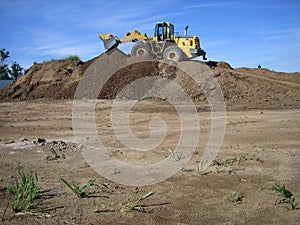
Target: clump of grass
x,y
53,155
248,156
136,205
230,162
145,98
260,185
79,191
174,155
285,196
236,197
25,189
227,163
49,60
73,58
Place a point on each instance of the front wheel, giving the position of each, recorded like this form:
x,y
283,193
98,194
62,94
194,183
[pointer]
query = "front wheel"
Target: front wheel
x,y
141,50
173,53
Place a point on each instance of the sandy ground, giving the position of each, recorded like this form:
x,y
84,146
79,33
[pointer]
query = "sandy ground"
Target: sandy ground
x,y
188,197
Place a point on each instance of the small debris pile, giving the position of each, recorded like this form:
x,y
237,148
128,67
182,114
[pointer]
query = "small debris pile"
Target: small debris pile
x,y
57,146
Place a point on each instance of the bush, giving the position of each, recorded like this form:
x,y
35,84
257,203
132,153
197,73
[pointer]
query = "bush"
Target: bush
x,y
72,58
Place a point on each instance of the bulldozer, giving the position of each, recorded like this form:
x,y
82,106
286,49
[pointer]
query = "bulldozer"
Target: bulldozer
x,y
165,44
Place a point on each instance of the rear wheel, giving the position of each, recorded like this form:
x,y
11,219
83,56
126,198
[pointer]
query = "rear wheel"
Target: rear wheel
x,y
141,50
173,53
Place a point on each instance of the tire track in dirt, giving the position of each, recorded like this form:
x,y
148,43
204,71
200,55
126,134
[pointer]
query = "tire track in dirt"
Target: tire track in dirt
x,y
283,82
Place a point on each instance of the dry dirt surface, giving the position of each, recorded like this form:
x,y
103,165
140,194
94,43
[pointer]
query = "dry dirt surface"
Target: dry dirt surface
x,y
265,141
260,148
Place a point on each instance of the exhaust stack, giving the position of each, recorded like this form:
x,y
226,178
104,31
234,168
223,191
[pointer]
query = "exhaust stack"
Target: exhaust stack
x,y
186,30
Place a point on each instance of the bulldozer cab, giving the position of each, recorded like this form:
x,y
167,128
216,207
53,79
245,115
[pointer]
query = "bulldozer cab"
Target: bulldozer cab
x,y
163,31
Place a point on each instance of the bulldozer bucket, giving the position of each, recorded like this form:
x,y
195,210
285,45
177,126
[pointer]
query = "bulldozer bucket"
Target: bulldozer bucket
x,y
109,41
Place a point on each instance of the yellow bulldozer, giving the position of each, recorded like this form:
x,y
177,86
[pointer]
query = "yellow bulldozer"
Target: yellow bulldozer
x,y
163,45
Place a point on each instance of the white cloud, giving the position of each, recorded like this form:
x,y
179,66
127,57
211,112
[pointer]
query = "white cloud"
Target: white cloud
x,y
65,50
209,5
58,44
279,34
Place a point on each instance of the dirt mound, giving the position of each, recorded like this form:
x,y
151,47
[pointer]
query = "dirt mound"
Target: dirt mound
x,y
221,64
224,65
254,88
56,79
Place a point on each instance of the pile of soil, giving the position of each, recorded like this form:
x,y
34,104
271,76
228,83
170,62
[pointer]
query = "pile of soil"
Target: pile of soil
x,y
256,88
56,79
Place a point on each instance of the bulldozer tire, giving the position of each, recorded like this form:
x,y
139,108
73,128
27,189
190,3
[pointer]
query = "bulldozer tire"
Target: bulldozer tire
x,y
141,50
173,53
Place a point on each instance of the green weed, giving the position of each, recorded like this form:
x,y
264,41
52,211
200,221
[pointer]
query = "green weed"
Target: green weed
x,y
145,98
285,196
248,156
260,185
236,197
229,163
79,191
49,60
174,155
96,207
24,189
53,155
136,205
72,58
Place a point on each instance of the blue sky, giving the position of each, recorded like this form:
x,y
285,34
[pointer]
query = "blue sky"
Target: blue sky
x,y
243,33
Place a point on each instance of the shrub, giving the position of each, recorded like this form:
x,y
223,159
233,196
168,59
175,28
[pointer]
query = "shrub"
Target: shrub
x,y
72,58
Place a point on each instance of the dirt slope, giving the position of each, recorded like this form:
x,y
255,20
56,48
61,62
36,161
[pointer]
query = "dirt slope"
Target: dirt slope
x,y
56,79
254,88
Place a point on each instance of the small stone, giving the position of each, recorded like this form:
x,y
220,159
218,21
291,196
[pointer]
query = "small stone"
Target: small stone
x,y
41,140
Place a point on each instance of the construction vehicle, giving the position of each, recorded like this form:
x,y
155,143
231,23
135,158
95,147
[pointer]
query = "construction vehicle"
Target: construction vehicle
x,y
163,45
